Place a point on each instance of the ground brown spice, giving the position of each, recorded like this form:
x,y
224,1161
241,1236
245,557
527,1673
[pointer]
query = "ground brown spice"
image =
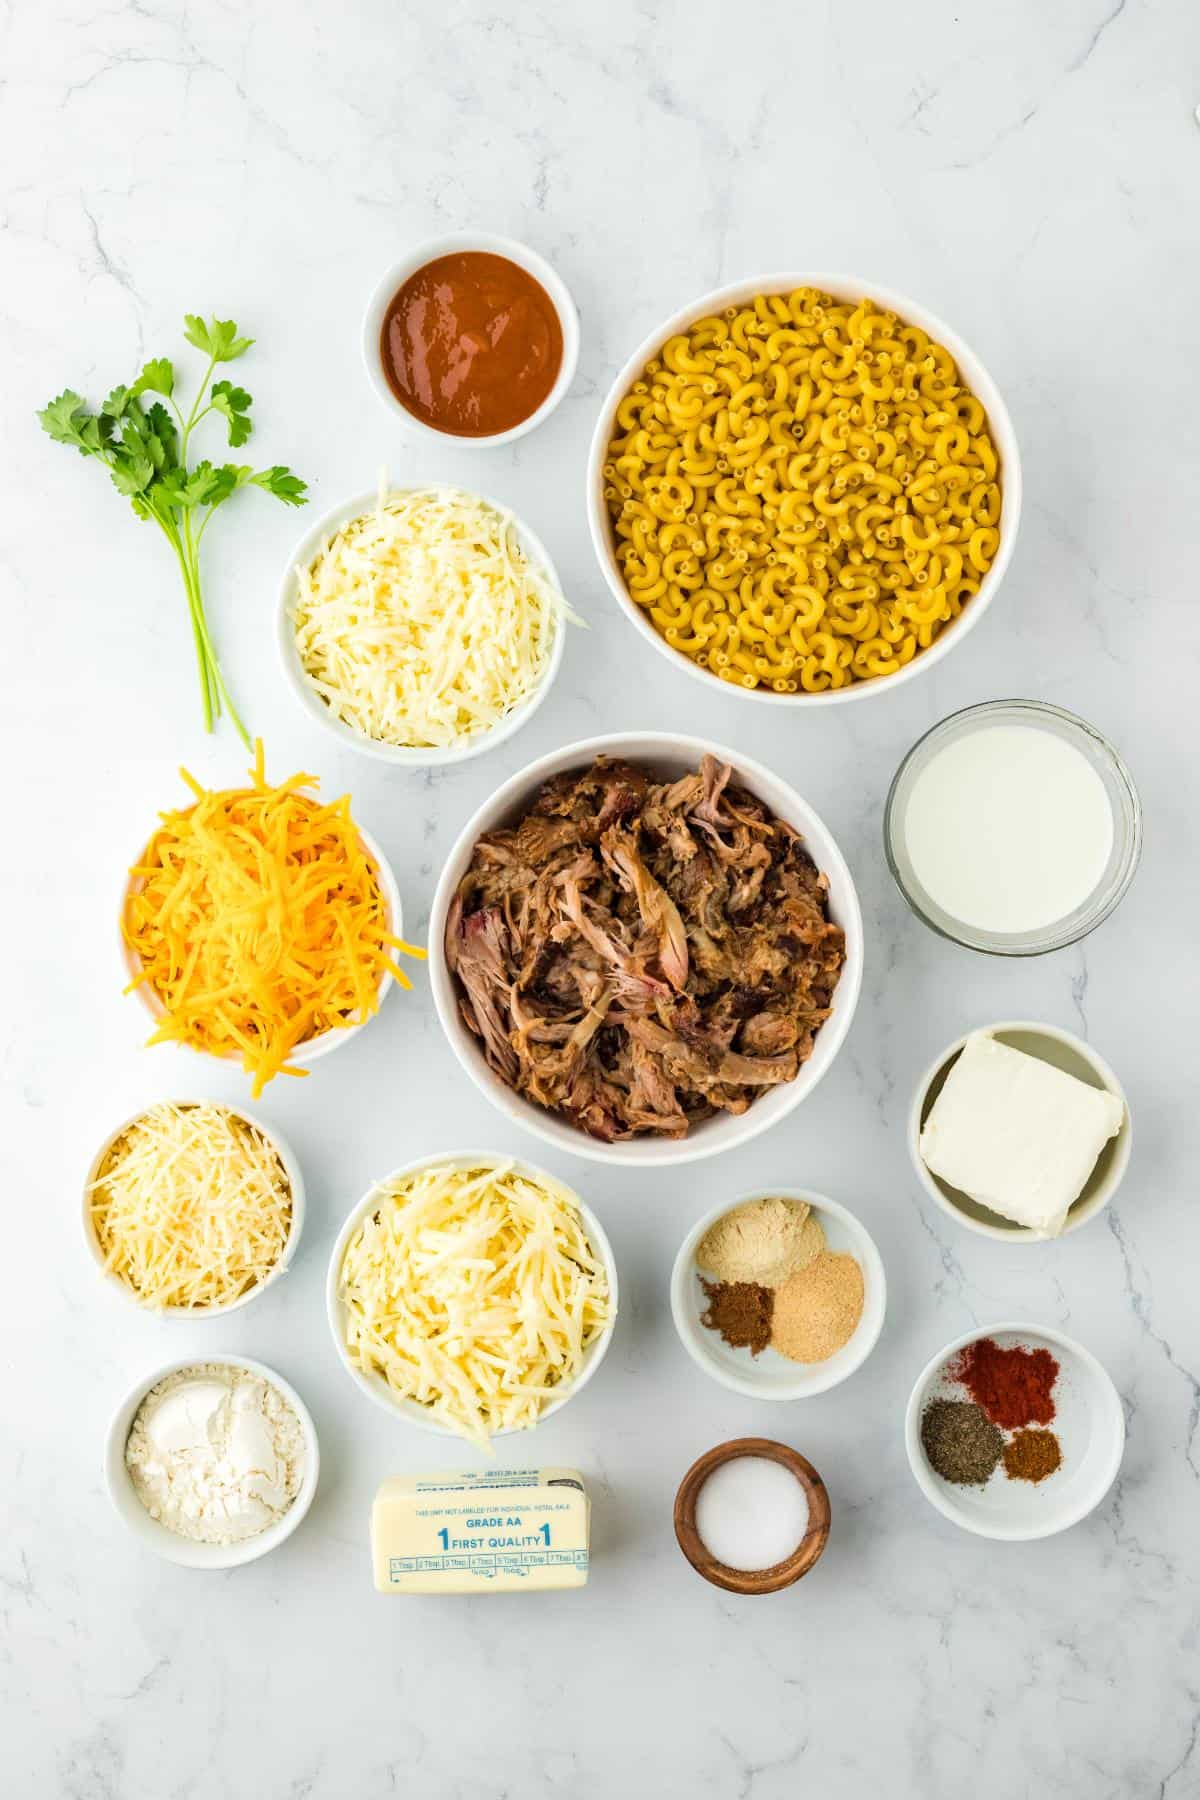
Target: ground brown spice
x,y
1031,1456
741,1311
818,1308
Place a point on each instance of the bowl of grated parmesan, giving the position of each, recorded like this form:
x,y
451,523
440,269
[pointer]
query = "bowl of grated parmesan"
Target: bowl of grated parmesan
x,y
421,626
192,1208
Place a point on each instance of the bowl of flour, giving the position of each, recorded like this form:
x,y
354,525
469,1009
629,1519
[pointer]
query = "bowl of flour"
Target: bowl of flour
x,y
212,1463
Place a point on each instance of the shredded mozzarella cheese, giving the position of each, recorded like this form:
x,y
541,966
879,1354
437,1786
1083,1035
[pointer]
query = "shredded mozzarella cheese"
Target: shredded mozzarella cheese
x,y
473,1290
424,623
191,1207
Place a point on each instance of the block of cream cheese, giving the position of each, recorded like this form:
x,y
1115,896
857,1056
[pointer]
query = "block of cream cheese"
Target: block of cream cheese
x,y
493,1531
1017,1134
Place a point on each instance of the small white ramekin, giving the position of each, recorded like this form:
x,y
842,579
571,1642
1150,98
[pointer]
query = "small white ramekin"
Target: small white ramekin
x,y
314,1048
1064,1051
1090,1426
373,1385
455,244
841,287
403,755
169,1544
669,756
769,1376
295,1181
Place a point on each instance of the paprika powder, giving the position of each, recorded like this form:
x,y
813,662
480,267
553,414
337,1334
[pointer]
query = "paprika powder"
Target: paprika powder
x,y
1013,1386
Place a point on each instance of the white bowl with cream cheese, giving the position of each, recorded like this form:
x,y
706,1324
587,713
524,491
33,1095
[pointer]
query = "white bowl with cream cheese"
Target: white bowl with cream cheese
x,y
1063,1051
170,1544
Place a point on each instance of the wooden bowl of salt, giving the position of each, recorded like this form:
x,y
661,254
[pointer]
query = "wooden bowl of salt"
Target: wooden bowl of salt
x,y
749,1513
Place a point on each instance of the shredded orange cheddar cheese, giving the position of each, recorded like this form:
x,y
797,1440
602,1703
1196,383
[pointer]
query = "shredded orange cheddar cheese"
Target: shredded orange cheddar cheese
x,y
258,922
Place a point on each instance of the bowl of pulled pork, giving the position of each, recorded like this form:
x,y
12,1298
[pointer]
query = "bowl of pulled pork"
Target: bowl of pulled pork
x,y
645,949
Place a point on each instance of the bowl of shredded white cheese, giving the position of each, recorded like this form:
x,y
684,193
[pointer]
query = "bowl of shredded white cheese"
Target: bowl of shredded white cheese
x,y
212,1462
472,1294
421,625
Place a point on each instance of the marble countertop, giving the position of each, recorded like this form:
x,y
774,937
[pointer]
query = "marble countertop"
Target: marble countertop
x,y
1030,174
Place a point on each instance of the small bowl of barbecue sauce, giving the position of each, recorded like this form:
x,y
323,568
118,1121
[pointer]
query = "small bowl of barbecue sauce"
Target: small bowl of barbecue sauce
x,y
471,337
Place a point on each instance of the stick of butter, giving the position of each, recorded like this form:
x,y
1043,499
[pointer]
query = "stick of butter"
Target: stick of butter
x,y
492,1531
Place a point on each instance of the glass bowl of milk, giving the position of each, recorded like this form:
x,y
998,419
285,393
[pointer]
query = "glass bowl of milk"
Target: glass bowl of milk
x,y
1013,827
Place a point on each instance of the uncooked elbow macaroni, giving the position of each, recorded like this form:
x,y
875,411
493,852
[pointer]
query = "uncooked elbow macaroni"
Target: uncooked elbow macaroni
x,y
802,491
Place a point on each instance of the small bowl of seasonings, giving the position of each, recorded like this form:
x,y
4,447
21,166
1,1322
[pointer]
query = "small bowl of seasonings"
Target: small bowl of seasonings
x,y
780,1295
752,1516
1017,1433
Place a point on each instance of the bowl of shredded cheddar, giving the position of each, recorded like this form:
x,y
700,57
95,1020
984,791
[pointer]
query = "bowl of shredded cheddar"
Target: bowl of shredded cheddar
x,y
263,925
804,493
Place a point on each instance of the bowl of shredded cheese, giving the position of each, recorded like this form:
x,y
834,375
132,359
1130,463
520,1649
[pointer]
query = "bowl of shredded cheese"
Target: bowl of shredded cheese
x,y
262,925
472,1294
421,625
192,1208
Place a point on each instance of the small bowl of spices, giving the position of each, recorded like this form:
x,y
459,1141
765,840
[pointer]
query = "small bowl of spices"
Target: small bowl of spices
x,y
780,1295
471,337
1016,1433
752,1516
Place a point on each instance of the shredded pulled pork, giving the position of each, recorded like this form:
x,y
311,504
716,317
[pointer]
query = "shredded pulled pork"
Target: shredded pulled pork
x,y
637,955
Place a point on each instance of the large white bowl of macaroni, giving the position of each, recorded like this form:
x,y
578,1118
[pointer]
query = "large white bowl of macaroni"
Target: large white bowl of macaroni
x,y
808,502
662,758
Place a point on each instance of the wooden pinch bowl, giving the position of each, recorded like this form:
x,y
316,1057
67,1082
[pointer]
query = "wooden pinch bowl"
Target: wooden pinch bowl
x,y
752,1581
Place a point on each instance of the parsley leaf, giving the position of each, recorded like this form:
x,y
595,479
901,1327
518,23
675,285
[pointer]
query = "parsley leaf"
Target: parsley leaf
x,y
234,403
283,484
158,377
217,338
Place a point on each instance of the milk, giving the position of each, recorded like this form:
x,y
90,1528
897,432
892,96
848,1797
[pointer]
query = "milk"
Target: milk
x,y
1008,828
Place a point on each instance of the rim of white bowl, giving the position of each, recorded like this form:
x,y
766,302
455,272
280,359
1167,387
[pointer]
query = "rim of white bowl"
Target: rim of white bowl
x,y
934,1490
730,1130
408,1410
978,379
291,1166
314,1048
157,1537
808,1385
406,755
1081,1211
456,242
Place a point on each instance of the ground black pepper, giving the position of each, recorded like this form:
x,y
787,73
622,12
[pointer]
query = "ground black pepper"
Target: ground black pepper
x,y
741,1311
962,1444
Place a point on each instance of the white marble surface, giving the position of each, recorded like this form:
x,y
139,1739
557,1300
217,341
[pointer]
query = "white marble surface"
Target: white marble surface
x,y
1030,172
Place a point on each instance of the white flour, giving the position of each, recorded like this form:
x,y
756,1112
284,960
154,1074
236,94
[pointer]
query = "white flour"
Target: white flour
x,y
215,1453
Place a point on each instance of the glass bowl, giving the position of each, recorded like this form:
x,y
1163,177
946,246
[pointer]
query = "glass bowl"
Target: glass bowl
x,y
1126,820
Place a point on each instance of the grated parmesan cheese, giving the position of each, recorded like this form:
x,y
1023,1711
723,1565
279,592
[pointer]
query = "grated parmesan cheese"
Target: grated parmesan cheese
x,y
191,1207
423,623
473,1290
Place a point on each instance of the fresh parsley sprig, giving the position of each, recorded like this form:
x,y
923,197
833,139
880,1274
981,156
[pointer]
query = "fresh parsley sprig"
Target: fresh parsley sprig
x,y
145,449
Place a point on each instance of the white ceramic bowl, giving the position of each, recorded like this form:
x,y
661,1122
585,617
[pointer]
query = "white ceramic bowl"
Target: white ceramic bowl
x,y
295,1182
314,1048
373,1385
455,243
168,1544
842,287
1064,1051
769,1376
406,756
668,756
1089,1423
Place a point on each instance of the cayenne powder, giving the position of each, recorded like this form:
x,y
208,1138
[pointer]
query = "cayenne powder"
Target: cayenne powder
x,y
1014,1387
741,1311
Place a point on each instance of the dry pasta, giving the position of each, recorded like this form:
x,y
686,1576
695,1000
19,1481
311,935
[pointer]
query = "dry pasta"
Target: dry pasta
x,y
802,491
